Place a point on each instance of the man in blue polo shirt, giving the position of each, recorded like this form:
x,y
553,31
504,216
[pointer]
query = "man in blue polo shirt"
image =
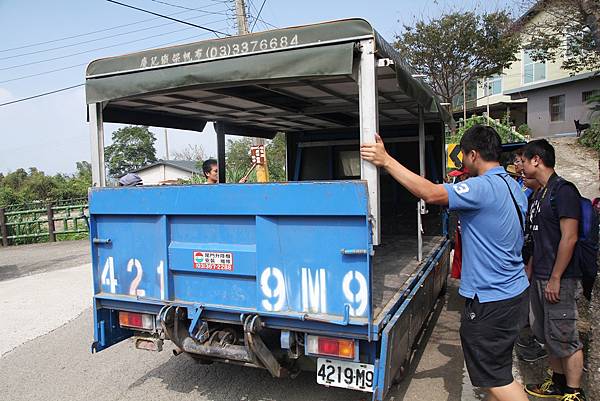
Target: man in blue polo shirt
x,y
491,207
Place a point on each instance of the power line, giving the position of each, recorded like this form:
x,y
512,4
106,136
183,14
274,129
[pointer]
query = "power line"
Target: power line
x,y
85,34
252,9
196,9
80,65
259,11
40,95
96,49
181,7
169,18
102,38
69,87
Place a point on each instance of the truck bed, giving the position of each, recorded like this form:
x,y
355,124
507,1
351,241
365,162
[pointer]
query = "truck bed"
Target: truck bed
x,y
394,263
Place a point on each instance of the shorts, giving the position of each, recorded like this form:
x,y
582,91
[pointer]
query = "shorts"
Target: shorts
x,y
556,323
488,332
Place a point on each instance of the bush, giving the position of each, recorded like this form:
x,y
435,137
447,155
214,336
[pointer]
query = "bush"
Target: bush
x,y
524,130
591,137
506,134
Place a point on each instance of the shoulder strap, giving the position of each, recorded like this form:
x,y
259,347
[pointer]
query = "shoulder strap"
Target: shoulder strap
x,y
558,184
514,202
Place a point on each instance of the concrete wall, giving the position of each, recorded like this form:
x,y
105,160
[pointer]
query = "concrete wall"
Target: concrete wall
x,y
538,107
155,174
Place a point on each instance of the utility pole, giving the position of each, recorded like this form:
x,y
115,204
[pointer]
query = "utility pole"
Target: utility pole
x,y
242,20
166,145
464,102
487,96
262,171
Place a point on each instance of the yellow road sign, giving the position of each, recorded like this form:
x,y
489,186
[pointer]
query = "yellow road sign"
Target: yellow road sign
x,y
454,156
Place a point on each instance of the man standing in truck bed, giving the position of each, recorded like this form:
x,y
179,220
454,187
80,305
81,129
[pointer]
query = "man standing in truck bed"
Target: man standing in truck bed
x,y
491,207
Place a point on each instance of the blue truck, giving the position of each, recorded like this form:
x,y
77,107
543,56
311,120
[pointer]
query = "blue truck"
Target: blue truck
x,y
333,271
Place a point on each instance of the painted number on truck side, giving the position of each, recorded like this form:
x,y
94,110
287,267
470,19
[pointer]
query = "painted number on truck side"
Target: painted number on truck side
x,y
108,275
108,279
357,294
274,293
313,290
133,288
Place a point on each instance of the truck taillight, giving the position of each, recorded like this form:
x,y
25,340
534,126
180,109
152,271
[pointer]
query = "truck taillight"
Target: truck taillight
x,y
136,320
337,347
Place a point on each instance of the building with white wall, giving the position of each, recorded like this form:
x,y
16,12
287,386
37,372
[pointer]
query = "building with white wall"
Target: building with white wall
x,y
168,170
539,93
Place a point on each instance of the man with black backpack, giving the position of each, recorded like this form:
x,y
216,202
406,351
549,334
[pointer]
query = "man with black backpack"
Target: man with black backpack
x,y
558,264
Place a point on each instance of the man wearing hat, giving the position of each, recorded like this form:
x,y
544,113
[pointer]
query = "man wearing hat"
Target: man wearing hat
x,y
130,180
512,170
459,175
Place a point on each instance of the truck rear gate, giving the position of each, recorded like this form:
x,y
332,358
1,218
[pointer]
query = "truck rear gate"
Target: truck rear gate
x,y
335,270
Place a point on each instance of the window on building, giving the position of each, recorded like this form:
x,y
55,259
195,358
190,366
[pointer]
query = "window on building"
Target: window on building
x,y
587,95
457,101
576,40
493,85
557,108
533,71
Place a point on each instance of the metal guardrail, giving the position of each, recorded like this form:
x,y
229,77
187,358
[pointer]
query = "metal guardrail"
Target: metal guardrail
x,y
19,226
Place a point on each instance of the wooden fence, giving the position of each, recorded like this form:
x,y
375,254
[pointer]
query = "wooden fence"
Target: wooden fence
x,y
55,221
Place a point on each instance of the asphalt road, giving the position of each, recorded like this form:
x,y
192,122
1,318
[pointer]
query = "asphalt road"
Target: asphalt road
x,y
46,334
23,260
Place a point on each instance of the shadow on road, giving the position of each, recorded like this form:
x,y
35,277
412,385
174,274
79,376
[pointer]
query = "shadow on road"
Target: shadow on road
x,y
182,374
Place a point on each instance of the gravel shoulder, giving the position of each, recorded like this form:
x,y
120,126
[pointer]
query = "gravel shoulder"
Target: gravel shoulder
x,y
577,164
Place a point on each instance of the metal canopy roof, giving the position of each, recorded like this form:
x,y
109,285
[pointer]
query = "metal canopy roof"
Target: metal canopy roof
x,y
293,79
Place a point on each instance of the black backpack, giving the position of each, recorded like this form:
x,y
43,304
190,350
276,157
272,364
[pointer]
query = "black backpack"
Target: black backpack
x,y
585,255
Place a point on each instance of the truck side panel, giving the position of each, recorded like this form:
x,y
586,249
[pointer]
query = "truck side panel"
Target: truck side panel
x,y
402,331
282,250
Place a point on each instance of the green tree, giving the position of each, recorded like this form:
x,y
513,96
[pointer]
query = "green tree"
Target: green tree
x,y
568,29
15,179
276,150
459,47
38,186
23,186
132,148
9,196
238,160
84,170
191,152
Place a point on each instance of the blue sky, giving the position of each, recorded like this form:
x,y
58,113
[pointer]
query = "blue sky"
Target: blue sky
x,y
51,132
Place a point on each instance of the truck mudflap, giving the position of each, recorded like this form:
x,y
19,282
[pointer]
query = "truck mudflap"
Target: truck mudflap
x,y
404,328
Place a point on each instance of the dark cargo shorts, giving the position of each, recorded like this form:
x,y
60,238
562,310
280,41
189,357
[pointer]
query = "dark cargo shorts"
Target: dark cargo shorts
x,y
488,332
556,324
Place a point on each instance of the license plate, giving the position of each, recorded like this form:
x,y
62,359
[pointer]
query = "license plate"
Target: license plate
x,y
350,375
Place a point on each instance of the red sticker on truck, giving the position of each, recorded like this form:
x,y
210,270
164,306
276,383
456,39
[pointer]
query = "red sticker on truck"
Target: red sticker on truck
x,y
209,260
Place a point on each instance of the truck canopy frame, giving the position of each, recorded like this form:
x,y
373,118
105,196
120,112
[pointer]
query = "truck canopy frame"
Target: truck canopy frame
x,y
330,84
298,80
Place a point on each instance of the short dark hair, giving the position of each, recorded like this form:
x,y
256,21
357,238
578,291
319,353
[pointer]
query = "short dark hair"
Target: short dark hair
x,y
518,152
482,139
542,149
208,165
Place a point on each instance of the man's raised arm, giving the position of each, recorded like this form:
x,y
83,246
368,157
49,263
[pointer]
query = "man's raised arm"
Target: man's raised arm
x,y
420,187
